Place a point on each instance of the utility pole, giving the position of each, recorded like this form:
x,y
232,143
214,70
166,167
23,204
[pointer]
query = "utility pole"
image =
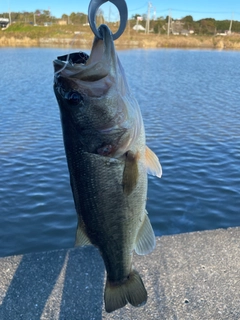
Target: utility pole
x,y
230,27
169,22
10,17
148,17
9,14
154,14
109,14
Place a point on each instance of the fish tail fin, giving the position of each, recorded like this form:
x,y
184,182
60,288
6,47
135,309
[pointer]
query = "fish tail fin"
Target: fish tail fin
x,y
131,290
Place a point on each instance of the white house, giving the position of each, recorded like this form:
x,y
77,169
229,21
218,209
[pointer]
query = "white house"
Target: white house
x,y
139,27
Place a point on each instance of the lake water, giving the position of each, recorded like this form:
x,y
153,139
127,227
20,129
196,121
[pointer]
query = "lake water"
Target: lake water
x,y
190,101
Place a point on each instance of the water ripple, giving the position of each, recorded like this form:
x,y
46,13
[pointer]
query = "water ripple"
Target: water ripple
x,y
191,110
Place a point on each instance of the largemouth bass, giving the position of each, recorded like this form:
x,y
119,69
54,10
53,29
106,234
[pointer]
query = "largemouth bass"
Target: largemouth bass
x,y
108,161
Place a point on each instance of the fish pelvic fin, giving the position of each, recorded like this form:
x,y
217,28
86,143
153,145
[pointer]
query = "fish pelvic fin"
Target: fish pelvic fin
x,y
146,241
152,163
81,238
132,290
130,173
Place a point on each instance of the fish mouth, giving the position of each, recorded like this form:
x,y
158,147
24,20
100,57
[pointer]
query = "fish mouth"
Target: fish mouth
x,y
101,62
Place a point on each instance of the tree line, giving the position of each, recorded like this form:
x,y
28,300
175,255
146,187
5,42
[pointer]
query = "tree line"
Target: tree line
x,y
159,25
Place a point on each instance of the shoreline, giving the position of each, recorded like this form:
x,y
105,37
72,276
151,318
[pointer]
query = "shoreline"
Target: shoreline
x,y
127,42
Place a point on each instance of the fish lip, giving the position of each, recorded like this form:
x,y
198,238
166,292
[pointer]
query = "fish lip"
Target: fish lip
x,y
109,53
107,39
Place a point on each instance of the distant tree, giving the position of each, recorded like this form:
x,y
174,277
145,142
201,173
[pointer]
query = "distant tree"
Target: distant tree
x,y
188,19
224,25
235,26
82,17
204,26
134,16
159,24
188,22
46,13
64,17
26,16
208,26
73,18
197,27
166,19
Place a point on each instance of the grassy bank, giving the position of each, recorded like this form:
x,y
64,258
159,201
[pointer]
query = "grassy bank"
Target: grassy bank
x,y
82,36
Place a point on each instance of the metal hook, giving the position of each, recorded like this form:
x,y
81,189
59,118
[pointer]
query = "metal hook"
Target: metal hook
x,y
123,11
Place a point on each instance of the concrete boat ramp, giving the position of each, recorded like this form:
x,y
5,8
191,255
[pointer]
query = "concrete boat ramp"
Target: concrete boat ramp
x,y
192,276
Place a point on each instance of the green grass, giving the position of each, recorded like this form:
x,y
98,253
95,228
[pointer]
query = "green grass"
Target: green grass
x,y
35,32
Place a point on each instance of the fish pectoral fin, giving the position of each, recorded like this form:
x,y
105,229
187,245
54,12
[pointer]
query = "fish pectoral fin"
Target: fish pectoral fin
x,y
130,173
131,290
146,241
81,237
152,163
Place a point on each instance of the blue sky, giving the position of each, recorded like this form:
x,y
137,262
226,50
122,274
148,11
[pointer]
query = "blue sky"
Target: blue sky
x,y
219,10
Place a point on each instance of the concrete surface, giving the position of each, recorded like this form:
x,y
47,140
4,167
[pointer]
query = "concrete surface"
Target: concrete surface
x,y
189,276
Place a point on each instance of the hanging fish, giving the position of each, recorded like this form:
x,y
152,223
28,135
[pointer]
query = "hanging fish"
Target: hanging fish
x,y
108,161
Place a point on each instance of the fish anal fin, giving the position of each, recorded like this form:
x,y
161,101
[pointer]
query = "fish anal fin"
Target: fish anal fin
x,y
152,163
81,236
146,241
130,173
132,290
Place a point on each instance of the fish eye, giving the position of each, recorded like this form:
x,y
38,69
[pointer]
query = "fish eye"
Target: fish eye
x,y
74,98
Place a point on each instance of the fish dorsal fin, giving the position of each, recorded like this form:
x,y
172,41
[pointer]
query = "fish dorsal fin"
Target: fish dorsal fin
x,y
145,242
152,163
81,237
